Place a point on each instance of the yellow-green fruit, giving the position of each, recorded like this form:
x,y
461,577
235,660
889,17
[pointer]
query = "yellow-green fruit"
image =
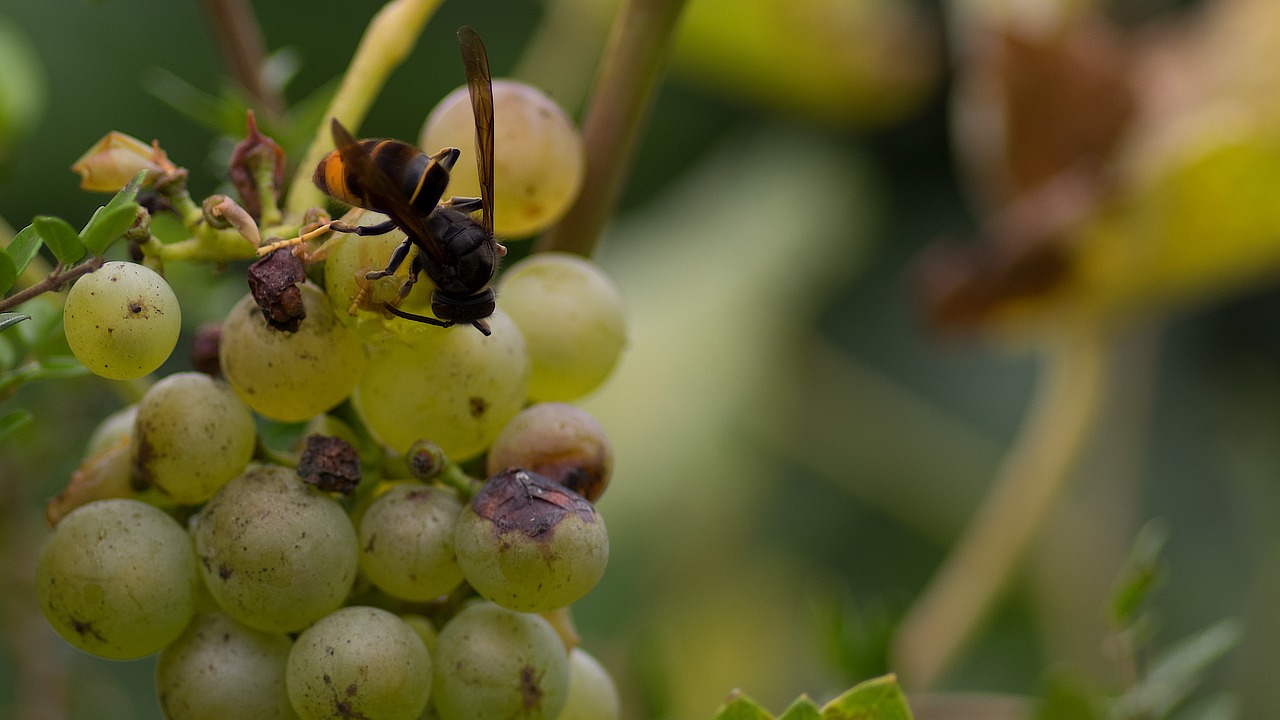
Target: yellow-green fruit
x,y
122,320
453,386
572,318
286,376
538,160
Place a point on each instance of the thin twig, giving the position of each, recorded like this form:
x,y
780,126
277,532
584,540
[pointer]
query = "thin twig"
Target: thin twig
x,y
619,110
53,281
239,38
979,568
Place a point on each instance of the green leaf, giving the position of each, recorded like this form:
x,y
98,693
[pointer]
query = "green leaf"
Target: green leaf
x,y
741,707
1065,699
13,421
802,709
9,319
1141,574
876,699
60,237
8,272
60,366
216,112
1176,672
24,247
107,225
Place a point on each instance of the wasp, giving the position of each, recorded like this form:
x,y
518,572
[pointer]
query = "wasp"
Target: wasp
x,y
459,254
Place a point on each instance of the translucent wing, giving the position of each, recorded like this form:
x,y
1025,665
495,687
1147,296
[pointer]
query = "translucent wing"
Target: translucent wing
x,y
480,86
382,194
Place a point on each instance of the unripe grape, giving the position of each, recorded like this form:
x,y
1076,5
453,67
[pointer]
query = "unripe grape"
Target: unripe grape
x,y
538,158
122,320
191,435
452,386
530,544
113,429
496,663
592,694
572,318
286,376
220,669
406,542
118,579
359,662
348,259
558,441
275,554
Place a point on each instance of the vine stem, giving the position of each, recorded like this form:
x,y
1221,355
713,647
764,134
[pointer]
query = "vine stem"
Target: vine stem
x,y
634,58
387,41
56,279
1064,409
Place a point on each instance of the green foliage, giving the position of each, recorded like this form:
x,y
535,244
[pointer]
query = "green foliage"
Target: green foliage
x,y
875,699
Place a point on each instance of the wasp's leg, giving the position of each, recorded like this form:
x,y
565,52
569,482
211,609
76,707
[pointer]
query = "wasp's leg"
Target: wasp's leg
x,y
427,319
464,204
397,257
381,228
415,269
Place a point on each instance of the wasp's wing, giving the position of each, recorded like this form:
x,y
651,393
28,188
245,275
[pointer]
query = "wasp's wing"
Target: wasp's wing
x,y
382,193
480,85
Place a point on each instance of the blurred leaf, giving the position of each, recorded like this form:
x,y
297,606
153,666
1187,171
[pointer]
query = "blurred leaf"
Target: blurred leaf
x,y
802,709
22,86
856,635
52,368
741,707
1065,699
222,114
1176,673
1142,572
60,238
11,422
8,319
8,271
876,699
1223,706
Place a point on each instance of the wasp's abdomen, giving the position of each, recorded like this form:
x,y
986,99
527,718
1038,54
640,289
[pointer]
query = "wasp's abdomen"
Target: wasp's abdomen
x,y
420,178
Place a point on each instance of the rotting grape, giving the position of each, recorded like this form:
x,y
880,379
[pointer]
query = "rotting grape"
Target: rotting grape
x,y
538,157
406,542
572,318
191,435
276,554
452,386
558,441
592,693
530,544
118,579
220,669
286,376
359,662
492,662
122,320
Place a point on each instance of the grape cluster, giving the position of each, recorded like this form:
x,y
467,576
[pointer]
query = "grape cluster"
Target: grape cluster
x,y
422,593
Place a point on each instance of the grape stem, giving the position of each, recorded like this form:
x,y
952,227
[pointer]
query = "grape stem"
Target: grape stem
x,y
453,476
972,578
60,276
619,108
239,38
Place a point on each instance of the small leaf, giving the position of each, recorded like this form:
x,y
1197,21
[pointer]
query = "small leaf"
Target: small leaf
x,y
1142,572
741,707
60,237
802,709
8,271
9,319
24,247
59,366
13,421
876,699
1177,671
107,225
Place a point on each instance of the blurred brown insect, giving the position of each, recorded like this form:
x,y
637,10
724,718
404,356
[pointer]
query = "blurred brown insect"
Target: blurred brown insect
x,y
459,254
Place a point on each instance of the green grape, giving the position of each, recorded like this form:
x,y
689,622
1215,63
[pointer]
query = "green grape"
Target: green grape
x,y
357,301
426,630
558,441
538,158
275,553
112,430
452,386
572,318
118,579
285,376
406,542
220,669
496,663
359,662
530,544
592,694
122,320
191,435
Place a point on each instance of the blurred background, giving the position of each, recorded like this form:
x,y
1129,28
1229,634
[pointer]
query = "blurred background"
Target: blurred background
x,y
857,235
